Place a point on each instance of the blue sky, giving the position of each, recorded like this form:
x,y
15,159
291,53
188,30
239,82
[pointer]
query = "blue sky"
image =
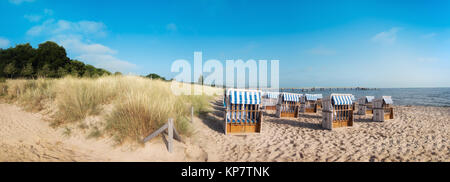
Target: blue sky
x,y
319,43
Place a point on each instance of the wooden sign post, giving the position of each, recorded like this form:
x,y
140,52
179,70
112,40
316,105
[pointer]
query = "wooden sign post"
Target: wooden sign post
x,y
171,132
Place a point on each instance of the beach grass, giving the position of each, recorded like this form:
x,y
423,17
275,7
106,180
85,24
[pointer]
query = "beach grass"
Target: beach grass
x,y
140,105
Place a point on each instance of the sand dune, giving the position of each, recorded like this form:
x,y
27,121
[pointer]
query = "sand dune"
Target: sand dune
x,y
417,134
27,137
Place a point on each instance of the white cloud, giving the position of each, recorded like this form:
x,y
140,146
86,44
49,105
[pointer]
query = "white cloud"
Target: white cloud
x,y
321,51
171,27
17,2
108,62
38,17
77,37
33,18
95,54
52,27
77,45
4,42
387,37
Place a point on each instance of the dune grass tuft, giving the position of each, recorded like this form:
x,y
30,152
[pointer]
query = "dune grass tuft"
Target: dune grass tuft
x,y
140,105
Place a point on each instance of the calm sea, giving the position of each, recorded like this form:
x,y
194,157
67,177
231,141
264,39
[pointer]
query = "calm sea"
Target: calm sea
x,y
403,96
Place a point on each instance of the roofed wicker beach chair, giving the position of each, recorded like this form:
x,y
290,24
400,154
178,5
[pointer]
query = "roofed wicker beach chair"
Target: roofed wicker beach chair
x,y
289,105
243,113
355,103
365,105
319,101
337,111
383,109
270,101
310,103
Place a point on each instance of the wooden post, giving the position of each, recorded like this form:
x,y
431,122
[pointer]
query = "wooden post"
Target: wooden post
x,y
192,114
170,139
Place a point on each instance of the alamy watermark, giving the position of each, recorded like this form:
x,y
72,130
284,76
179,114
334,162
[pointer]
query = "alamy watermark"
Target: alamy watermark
x,y
248,74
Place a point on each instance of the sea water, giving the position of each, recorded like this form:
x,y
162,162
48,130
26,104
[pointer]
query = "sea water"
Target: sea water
x,y
401,96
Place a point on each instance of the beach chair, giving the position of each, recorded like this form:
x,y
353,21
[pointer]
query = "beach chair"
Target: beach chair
x,y
309,103
288,105
365,105
337,111
355,103
243,114
383,109
270,101
319,101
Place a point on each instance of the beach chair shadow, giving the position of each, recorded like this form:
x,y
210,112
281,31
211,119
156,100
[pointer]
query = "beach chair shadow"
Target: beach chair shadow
x,y
211,120
308,116
365,120
296,123
273,115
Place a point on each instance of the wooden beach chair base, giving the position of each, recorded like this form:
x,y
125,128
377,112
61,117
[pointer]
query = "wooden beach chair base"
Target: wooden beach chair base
x,y
288,115
311,110
340,116
271,108
243,129
369,111
389,115
340,124
381,115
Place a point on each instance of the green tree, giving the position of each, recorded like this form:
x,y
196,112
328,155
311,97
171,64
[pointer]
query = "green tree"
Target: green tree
x,y
27,71
117,73
44,71
10,69
200,80
62,72
51,54
48,60
155,76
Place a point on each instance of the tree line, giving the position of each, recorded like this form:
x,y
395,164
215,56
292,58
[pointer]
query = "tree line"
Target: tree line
x,y
48,60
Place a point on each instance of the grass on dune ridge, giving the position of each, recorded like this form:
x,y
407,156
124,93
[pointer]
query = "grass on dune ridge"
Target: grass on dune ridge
x,y
140,105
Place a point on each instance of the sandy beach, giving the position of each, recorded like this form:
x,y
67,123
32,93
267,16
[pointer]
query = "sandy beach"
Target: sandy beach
x,y
417,133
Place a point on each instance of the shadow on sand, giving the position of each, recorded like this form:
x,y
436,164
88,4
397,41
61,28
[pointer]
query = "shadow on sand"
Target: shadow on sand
x,y
308,116
211,119
295,123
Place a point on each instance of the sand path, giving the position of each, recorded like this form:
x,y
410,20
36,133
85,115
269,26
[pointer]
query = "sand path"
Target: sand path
x,y
26,136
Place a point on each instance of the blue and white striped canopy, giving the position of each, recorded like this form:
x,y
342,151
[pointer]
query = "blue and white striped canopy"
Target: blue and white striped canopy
x,y
313,97
271,95
319,96
292,97
244,96
370,98
388,100
342,99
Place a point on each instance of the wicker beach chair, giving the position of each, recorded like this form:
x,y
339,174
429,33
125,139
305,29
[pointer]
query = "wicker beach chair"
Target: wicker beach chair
x,y
310,103
319,101
355,104
337,111
270,101
383,109
243,114
365,105
289,105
